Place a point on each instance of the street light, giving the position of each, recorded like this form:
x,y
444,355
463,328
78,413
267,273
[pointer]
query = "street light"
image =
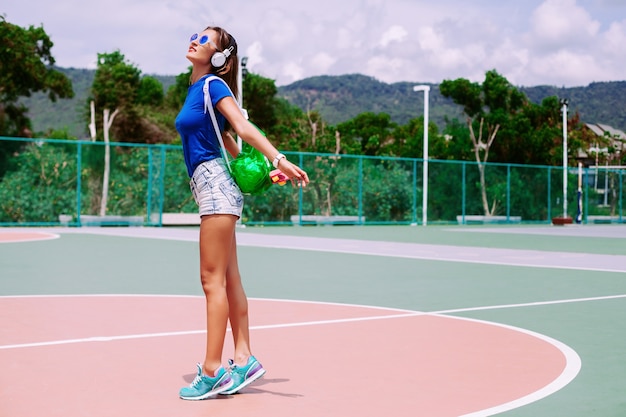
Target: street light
x,y
425,89
243,71
564,104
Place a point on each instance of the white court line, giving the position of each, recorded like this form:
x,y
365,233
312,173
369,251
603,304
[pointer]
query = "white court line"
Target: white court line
x,y
570,371
191,332
534,304
573,364
401,314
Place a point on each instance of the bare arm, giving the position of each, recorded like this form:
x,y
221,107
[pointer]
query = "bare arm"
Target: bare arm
x,y
246,131
230,144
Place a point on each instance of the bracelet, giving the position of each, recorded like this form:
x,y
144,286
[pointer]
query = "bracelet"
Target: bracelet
x,y
277,159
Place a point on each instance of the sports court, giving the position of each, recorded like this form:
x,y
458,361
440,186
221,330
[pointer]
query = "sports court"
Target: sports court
x,y
347,320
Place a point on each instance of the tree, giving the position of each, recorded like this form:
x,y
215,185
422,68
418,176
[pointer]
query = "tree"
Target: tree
x,y
367,134
408,140
116,82
26,66
259,99
176,94
532,135
115,86
487,107
150,92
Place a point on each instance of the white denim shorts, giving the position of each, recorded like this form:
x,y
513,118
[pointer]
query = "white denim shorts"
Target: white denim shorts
x,y
214,189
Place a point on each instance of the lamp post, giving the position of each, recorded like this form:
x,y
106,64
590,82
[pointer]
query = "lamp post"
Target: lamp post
x,y
243,71
425,89
564,104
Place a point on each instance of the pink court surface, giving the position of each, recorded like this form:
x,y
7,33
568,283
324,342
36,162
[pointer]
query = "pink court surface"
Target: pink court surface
x,y
123,355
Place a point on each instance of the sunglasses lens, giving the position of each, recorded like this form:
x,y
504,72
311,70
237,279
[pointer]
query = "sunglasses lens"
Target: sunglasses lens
x,y
204,39
193,37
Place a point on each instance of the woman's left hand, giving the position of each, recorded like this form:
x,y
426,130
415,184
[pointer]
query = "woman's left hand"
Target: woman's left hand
x,y
296,175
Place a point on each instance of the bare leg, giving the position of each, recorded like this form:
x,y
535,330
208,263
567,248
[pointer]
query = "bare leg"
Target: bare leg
x,y
216,240
238,313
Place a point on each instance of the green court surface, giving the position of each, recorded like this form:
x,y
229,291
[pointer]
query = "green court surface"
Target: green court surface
x,y
582,306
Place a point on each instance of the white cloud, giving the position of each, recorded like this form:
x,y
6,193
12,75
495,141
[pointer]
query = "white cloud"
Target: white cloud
x,y
255,55
562,23
385,68
420,40
395,33
566,65
429,39
293,72
614,39
322,61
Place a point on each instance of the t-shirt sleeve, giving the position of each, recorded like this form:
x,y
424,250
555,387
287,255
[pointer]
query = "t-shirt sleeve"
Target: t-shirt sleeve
x,y
218,90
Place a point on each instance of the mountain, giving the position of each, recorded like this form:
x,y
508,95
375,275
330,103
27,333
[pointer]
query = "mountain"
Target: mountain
x,y
341,98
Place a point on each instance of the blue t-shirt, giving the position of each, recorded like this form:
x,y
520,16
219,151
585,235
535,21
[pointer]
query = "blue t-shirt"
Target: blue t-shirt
x,y
200,143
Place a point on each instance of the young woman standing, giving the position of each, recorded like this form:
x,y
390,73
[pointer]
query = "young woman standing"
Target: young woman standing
x,y
214,52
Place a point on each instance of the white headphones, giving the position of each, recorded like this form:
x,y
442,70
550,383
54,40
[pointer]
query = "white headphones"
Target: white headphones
x,y
219,59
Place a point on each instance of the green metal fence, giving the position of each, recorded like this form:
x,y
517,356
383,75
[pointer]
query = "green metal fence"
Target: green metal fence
x,y
48,182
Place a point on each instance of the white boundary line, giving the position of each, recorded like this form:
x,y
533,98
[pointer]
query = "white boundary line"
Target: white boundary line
x,y
572,360
573,364
534,304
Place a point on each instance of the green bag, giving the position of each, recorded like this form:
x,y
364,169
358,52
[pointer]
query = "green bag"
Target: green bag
x,y
250,169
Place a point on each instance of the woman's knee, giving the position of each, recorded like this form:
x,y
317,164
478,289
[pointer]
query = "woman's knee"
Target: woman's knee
x,y
212,283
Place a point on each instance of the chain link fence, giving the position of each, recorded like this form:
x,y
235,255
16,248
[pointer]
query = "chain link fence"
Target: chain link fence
x,y
48,182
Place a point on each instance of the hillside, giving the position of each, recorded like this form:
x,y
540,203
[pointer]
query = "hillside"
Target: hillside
x,y
70,114
341,98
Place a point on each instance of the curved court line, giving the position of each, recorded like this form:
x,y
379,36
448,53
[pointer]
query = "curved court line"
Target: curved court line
x,y
572,367
46,236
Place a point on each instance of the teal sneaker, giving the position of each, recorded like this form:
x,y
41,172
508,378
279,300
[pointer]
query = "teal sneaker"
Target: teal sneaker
x,y
243,376
205,386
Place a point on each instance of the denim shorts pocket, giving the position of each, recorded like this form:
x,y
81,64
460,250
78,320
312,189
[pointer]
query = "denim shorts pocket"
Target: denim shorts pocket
x,y
232,193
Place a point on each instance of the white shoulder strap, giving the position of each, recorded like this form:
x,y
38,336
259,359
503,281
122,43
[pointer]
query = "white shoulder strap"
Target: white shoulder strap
x,y
209,106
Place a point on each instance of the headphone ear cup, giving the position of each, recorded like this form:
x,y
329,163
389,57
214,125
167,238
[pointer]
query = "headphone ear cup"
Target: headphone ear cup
x,y
218,60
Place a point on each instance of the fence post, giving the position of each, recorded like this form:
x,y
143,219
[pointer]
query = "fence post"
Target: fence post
x,y
586,212
79,157
508,193
149,196
300,192
549,194
414,192
360,189
162,184
621,195
463,165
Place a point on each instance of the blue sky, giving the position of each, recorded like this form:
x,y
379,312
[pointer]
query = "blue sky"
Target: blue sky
x,y
530,42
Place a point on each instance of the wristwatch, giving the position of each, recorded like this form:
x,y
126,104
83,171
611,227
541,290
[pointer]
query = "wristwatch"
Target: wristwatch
x,y
277,159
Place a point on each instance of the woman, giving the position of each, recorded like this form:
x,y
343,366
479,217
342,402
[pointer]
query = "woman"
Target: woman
x,y
214,52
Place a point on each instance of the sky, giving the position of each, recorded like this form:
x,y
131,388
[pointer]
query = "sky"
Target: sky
x,y
563,43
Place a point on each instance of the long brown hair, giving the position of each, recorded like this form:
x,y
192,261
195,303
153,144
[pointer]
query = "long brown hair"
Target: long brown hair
x,y
230,71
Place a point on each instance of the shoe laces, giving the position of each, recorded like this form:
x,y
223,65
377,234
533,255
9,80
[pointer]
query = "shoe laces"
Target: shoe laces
x,y
195,381
198,377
